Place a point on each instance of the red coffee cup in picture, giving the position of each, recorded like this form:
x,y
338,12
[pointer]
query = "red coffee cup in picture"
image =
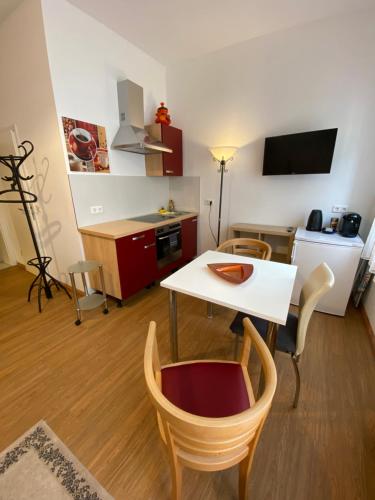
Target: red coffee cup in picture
x,y
82,144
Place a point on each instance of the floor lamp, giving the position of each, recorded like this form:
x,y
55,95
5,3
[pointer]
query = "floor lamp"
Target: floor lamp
x,y
222,154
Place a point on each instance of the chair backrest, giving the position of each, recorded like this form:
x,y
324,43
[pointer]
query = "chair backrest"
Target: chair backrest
x,y
247,246
210,443
319,282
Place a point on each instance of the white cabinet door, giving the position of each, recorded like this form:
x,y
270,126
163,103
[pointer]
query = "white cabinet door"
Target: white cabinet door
x,y
342,260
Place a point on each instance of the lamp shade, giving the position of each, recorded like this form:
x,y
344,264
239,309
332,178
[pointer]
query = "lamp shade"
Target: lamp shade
x,y
223,153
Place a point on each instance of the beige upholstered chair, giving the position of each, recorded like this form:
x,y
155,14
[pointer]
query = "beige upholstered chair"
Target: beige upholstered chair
x,y
291,337
247,246
207,414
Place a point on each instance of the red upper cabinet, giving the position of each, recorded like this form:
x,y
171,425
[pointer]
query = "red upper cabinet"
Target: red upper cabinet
x,y
189,229
172,162
165,164
137,264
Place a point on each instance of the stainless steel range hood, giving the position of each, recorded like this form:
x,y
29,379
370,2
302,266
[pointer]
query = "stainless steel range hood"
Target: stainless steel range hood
x,y
132,136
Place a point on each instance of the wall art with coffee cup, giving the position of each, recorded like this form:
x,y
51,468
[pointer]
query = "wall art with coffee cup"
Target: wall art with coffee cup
x,y
86,145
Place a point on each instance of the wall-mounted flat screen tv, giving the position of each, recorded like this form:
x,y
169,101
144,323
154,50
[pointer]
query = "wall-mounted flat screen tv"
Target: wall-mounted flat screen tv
x,y
304,153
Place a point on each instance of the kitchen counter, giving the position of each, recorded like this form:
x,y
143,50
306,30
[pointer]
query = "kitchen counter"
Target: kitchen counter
x,y
124,227
127,250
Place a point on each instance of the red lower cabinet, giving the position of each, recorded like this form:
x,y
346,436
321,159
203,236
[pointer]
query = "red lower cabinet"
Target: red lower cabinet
x,y
136,256
189,229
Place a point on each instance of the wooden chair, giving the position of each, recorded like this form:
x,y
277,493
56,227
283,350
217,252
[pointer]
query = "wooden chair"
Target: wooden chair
x,y
291,337
207,414
247,246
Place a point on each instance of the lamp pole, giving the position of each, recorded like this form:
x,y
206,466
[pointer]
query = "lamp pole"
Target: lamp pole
x,y
222,170
221,154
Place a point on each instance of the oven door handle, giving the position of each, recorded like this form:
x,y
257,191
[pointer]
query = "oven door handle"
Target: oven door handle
x,y
168,236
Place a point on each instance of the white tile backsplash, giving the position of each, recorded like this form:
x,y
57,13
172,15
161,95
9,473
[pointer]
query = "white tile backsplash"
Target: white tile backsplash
x,y
127,196
120,196
185,192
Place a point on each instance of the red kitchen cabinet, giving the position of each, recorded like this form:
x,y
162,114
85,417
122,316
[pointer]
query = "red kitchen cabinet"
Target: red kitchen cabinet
x,y
137,264
165,164
189,229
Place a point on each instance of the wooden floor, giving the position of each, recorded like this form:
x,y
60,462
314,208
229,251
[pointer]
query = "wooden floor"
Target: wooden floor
x,y
87,383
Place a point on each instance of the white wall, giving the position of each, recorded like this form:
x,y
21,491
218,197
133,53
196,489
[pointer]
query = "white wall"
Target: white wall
x,y
185,192
316,76
86,60
120,196
77,78
26,99
3,251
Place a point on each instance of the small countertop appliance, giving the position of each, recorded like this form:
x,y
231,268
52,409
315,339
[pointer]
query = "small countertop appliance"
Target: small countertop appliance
x,y
349,225
315,221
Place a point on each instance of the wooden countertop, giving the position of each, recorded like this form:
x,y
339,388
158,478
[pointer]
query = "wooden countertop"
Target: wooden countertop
x,y
124,227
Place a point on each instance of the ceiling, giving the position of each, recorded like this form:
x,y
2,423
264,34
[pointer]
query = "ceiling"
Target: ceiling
x,y
6,7
171,30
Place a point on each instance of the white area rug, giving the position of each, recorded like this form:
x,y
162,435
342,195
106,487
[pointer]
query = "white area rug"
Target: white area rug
x,y
38,466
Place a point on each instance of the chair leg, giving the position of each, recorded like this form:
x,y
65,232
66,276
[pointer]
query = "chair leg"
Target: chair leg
x,y
244,472
246,463
176,470
298,380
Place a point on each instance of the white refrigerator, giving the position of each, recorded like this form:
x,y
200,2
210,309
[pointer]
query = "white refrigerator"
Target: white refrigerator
x,y
310,248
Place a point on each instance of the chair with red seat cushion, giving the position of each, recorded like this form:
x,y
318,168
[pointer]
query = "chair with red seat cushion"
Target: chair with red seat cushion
x,y
207,389
207,414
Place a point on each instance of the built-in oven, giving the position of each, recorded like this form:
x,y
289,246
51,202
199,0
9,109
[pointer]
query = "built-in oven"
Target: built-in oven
x,y
168,244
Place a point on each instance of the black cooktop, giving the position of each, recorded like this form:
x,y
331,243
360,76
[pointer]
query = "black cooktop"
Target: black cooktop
x,y
152,218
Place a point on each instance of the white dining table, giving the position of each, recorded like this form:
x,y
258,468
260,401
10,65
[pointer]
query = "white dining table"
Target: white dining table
x,y
266,294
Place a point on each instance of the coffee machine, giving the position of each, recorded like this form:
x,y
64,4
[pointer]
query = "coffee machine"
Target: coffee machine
x,y
349,225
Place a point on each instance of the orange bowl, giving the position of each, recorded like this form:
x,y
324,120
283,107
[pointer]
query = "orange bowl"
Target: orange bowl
x,y
232,272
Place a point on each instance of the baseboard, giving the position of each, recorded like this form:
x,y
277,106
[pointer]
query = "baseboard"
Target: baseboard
x,y
369,329
21,266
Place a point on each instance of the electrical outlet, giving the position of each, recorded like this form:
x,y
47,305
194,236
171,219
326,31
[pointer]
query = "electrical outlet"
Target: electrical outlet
x,y
208,202
97,209
339,209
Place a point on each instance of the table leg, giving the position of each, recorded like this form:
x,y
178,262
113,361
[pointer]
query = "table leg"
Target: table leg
x,y
271,343
173,325
271,337
210,310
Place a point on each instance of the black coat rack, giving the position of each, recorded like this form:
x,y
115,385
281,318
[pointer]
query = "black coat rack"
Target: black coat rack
x,y
43,280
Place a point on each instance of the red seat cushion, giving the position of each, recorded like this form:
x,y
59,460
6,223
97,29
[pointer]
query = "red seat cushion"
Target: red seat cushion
x,y
206,389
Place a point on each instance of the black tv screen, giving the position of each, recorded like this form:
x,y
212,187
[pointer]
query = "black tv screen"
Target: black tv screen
x,y
305,153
